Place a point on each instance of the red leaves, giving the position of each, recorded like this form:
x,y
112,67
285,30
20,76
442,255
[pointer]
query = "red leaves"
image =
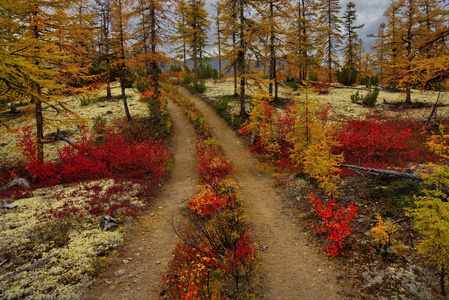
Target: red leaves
x,y
336,223
383,144
213,166
117,156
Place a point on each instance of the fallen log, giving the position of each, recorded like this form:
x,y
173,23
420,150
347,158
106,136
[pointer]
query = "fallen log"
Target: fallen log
x,y
37,264
18,181
375,172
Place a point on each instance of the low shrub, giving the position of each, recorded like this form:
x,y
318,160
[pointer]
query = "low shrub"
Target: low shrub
x,y
336,223
370,99
115,157
391,143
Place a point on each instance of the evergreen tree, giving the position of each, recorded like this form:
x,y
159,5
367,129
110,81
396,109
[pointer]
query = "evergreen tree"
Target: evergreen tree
x,y
352,42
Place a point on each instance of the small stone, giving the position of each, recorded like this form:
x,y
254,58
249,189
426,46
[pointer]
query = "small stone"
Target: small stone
x,y
127,288
319,270
126,261
158,262
130,258
120,272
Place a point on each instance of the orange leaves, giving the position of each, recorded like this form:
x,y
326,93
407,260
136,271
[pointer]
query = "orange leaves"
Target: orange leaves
x,y
208,205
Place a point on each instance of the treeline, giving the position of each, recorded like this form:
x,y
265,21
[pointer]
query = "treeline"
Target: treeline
x,y
54,48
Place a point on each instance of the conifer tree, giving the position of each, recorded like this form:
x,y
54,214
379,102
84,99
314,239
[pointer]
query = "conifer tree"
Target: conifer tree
x,y
299,38
273,31
154,17
103,9
181,35
218,35
120,18
379,49
352,42
196,29
28,48
431,214
238,38
329,36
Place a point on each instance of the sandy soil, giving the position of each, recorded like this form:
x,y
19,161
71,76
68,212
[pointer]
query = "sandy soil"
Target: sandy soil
x,y
292,269
135,273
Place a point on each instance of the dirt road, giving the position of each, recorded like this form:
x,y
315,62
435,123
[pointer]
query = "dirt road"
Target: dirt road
x,y
291,268
135,273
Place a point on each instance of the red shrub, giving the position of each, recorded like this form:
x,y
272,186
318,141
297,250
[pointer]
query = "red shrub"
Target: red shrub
x,y
336,223
212,165
383,144
115,157
208,205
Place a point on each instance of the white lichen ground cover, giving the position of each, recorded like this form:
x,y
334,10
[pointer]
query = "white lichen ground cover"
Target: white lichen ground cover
x,y
98,107
339,99
32,232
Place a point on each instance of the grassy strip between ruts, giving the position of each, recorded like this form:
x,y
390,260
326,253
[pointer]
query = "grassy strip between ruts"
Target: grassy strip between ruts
x,y
215,257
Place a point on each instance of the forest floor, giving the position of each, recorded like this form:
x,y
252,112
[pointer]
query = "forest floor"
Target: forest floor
x,y
291,267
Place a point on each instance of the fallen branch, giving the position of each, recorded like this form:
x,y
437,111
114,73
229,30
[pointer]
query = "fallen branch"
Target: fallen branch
x,y
370,171
65,139
18,181
37,264
432,112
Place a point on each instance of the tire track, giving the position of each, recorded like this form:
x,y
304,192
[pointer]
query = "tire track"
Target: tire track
x,y
291,268
135,272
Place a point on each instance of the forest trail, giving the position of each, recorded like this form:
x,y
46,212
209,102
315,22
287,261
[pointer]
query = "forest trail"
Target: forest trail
x,y
291,268
135,273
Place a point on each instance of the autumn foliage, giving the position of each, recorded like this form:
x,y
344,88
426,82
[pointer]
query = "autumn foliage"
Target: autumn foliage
x,y
215,258
336,223
117,156
383,144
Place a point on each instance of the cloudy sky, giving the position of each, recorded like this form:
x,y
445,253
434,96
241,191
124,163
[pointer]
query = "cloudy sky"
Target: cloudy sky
x,y
369,12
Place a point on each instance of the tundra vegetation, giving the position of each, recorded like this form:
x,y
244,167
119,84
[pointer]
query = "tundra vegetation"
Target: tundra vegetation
x,y
358,145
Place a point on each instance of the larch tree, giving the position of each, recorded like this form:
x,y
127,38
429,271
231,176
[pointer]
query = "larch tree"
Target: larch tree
x,y
299,39
30,49
272,16
196,29
181,36
329,38
121,34
352,42
154,16
103,10
238,39
403,37
429,67
218,34
380,51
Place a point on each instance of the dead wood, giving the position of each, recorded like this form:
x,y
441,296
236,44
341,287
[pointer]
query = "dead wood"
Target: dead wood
x,y
433,112
18,181
379,172
36,265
